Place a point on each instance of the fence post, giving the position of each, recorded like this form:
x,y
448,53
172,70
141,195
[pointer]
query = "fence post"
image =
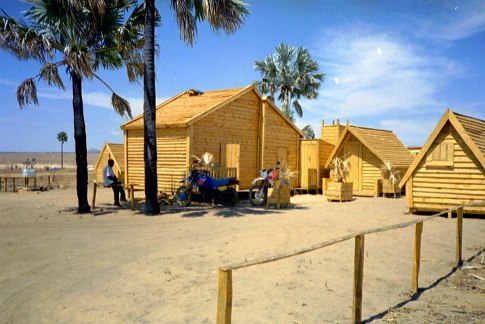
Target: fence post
x,y
224,298
459,236
358,279
95,187
417,256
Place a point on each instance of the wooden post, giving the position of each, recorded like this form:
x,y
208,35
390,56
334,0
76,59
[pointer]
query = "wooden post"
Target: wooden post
x,y
358,279
459,236
95,186
132,196
13,178
417,256
224,298
450,214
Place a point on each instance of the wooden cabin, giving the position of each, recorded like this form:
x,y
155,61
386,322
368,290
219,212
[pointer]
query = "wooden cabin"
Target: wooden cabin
x,y
111,151
242,129
367,150
450,168
414,150
314,153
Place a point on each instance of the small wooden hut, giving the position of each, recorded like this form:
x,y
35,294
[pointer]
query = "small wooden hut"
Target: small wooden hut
x,y
242,129
450,168
314,153
116,152
367,149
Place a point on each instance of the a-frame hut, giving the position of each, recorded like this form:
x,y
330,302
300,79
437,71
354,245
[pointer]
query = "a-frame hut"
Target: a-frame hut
x,y
450,168
111,151
242,129
367,149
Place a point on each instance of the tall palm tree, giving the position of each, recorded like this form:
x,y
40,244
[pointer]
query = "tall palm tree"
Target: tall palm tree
x,y
84,35
227,15
62,137
293,74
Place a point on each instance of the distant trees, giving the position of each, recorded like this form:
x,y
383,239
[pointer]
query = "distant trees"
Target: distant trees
x,y
62,137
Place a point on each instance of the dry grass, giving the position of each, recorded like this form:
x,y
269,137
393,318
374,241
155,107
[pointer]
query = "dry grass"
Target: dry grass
x,y
50,159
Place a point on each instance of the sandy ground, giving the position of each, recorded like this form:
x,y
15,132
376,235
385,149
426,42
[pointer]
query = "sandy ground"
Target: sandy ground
x,y
119,266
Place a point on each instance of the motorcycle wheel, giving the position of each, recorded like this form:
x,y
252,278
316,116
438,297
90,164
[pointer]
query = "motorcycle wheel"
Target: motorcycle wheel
x,y
230,197
257,196
183,196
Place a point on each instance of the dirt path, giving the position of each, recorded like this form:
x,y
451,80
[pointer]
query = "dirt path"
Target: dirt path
x,y
116,265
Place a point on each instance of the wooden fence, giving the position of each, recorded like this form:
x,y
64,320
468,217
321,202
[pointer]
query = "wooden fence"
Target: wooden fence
x,y
224,299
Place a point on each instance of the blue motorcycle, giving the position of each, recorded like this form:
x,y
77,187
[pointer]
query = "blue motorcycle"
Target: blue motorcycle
x,y
200,186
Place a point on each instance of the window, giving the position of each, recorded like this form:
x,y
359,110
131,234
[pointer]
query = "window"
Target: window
x,y
441,156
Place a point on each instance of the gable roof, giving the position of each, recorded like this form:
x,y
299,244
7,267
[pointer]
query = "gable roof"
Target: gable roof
x,y
471,130
116,151
190,106
382,143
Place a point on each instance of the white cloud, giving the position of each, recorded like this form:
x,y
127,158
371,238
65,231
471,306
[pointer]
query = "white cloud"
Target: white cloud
x,y
399,77
411,132
9,82
454,22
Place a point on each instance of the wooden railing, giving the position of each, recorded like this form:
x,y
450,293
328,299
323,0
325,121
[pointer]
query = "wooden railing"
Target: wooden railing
x,y
224,299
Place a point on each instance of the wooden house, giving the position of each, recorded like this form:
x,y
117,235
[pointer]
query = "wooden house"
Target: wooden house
x,y
314,153
242,129
116,152
367,149
450,168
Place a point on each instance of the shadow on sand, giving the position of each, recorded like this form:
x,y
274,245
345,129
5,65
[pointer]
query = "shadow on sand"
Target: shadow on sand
x,y
420,291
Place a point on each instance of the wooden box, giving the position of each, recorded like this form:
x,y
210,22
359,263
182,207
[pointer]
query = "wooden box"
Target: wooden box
x,y
341,191
278,197
389,188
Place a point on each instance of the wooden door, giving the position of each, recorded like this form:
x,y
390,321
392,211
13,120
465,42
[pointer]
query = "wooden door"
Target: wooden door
x,y
232,157
282,154
353,152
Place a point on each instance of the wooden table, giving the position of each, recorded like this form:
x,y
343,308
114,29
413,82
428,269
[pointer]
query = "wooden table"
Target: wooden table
x,y
16,177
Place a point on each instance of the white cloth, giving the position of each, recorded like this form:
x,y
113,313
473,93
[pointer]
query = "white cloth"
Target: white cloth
x,y
107,173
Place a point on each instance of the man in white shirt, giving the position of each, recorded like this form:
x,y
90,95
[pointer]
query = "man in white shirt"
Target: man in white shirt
x,y
110,180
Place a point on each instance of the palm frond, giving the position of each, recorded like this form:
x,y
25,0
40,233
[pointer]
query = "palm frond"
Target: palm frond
x,y
27,93
285,174
50,74
121,105
340,169
388,171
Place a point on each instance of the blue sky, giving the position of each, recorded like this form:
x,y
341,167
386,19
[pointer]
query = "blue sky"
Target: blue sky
x,y
389,64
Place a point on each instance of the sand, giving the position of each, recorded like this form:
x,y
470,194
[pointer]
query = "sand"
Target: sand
x,y
119,266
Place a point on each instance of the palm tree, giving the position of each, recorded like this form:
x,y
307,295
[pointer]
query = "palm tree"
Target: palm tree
x,y
227,15
308,132
62,137
85,36
291,72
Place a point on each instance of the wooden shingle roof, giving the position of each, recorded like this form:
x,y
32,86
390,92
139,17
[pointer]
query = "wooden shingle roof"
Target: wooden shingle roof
x,y
383,143
190,106
472,131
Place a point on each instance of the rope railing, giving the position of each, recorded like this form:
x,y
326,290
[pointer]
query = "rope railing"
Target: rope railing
x,y
224,300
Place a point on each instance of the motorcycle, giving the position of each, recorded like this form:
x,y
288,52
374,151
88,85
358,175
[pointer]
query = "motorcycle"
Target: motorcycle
x,y
258,193
200,186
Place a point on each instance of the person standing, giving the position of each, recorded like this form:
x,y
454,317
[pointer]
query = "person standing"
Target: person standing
x,y
110,180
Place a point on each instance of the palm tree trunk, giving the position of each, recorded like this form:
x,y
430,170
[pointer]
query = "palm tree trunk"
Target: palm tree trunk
x,y
81,148
62,155
150,129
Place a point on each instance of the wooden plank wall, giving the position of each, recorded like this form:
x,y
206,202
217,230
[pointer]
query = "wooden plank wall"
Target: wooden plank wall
x,y
371,170
236,123
280,134
171,161
102,163
440,188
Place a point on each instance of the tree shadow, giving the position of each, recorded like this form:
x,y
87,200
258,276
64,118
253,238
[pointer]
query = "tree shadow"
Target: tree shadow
x,y
420,291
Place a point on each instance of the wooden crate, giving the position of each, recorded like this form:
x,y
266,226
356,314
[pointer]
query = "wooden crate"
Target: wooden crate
x,y
278,197
341,191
